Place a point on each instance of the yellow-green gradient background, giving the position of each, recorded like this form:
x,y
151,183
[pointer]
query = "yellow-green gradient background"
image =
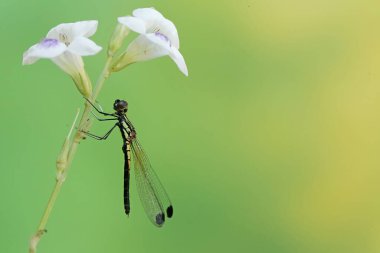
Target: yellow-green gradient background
x,y
272,144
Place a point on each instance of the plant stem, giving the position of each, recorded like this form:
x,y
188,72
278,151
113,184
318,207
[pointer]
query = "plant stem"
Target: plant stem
x,y
103,76
84,126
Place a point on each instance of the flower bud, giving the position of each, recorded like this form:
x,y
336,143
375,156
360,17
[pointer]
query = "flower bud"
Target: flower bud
x,y
61,162
117,38
62,158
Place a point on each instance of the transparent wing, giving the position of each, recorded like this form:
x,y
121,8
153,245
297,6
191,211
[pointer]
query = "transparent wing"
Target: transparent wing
x,y
152,194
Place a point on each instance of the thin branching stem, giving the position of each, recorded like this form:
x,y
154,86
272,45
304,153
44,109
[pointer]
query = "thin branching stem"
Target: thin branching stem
x,y
84,126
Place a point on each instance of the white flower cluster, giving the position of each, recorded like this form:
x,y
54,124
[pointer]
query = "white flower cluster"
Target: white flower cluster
x,y
66,43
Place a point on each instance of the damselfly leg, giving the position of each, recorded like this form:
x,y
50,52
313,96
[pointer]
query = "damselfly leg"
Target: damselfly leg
x,y
104,137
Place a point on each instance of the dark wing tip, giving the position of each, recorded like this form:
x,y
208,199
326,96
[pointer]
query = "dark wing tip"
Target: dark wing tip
x,y
169,211
160,219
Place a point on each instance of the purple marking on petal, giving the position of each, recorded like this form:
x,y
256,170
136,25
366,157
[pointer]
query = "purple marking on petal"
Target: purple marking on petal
x,y
49,42
163,37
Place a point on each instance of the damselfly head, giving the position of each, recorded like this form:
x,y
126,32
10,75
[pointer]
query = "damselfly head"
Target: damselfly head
x,y
120,106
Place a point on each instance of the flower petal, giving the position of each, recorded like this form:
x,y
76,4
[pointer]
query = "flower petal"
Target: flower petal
x,y
47,48
165,26
159,39
179,60
85,28
140,49
149,20
29,56
162,41
135,24
67,32
27,59
156,22
147,13
83,46
62,32
143,49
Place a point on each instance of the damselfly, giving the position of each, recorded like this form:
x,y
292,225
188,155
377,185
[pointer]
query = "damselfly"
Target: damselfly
x,y
152,194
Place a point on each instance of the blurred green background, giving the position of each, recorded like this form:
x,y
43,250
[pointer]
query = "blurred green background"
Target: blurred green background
x,y
270,145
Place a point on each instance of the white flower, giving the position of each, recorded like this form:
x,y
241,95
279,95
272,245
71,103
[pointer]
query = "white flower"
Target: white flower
x,y
158,37
64,45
